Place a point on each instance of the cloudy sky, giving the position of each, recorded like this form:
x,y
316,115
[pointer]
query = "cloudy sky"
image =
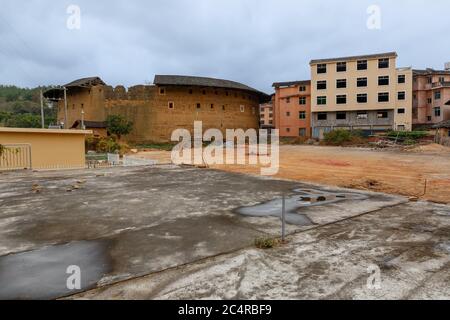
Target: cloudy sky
x,y
256,42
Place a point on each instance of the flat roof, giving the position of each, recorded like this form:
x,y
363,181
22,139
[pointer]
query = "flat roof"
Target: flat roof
x,y
352,58
52,131
291,83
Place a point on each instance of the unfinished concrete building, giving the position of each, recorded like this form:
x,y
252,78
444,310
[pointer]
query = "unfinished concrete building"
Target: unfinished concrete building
x,y
365,93
172,102
431,97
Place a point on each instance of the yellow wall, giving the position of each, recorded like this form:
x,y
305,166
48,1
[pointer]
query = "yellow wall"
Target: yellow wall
x,y
50,149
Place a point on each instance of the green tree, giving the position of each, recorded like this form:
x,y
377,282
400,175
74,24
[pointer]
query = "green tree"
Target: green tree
x,y
118,125
24,121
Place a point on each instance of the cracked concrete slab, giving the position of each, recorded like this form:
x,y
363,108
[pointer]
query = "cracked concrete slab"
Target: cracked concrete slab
x,y
409,245
152,219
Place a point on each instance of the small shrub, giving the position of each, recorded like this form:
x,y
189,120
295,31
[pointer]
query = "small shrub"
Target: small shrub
x,y
266,243
341,137
158,146
293,140
408,135
107,145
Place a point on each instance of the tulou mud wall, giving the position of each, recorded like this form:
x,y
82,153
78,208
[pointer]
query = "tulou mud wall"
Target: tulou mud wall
x,y
89,100
157,111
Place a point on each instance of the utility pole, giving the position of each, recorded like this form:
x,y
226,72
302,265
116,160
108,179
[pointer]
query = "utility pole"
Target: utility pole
x,y
42,110
283,218
65,108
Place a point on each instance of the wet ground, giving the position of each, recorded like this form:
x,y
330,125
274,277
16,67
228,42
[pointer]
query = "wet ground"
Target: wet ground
x,y
125,223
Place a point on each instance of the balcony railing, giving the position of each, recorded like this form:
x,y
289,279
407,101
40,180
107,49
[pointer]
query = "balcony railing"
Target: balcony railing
x,y
441,84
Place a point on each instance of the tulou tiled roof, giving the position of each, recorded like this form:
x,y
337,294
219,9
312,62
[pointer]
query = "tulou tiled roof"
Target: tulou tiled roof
x,y
175,80
86,82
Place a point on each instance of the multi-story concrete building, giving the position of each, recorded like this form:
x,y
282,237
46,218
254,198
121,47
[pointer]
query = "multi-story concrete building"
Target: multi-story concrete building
x,y
431,96
172,102
364,93
292,108
266,114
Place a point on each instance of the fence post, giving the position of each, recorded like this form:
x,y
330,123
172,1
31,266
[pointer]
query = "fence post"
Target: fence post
x,y
283,219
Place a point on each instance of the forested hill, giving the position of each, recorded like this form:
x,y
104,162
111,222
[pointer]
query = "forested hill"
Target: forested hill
x,y
21,108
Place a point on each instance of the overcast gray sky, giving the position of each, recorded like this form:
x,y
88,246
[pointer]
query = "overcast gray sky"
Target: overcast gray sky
x,y
256,42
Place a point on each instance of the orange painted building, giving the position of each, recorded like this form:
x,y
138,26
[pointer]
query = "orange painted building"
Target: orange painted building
x,y
292,108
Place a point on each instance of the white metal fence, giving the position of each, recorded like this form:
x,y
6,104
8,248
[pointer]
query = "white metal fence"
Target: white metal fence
x,y
15,157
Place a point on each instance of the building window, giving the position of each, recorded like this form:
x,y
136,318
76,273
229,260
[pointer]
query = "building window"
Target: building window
x,y
401,111
401,95
322,100
242,108
383,63
382,114
341,115
341,99
341,83
322,116
401,128
321,85
362,65
171,105
302,132
204,91
212,106
223,108
383,80
401,78
361,115
199,105
302,88
226,93
302,100
437,112
288,114
302,115
321,68
361,98
361,82
429,118
430,80
383,97
190,91
341,67
288,100
429,100
288,129
437,95
162,91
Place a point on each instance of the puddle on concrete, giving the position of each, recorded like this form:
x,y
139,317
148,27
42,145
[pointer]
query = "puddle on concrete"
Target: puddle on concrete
x,y
41,274
304,198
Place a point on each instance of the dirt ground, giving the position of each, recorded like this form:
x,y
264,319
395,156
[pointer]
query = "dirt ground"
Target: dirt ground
x,y
422,172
